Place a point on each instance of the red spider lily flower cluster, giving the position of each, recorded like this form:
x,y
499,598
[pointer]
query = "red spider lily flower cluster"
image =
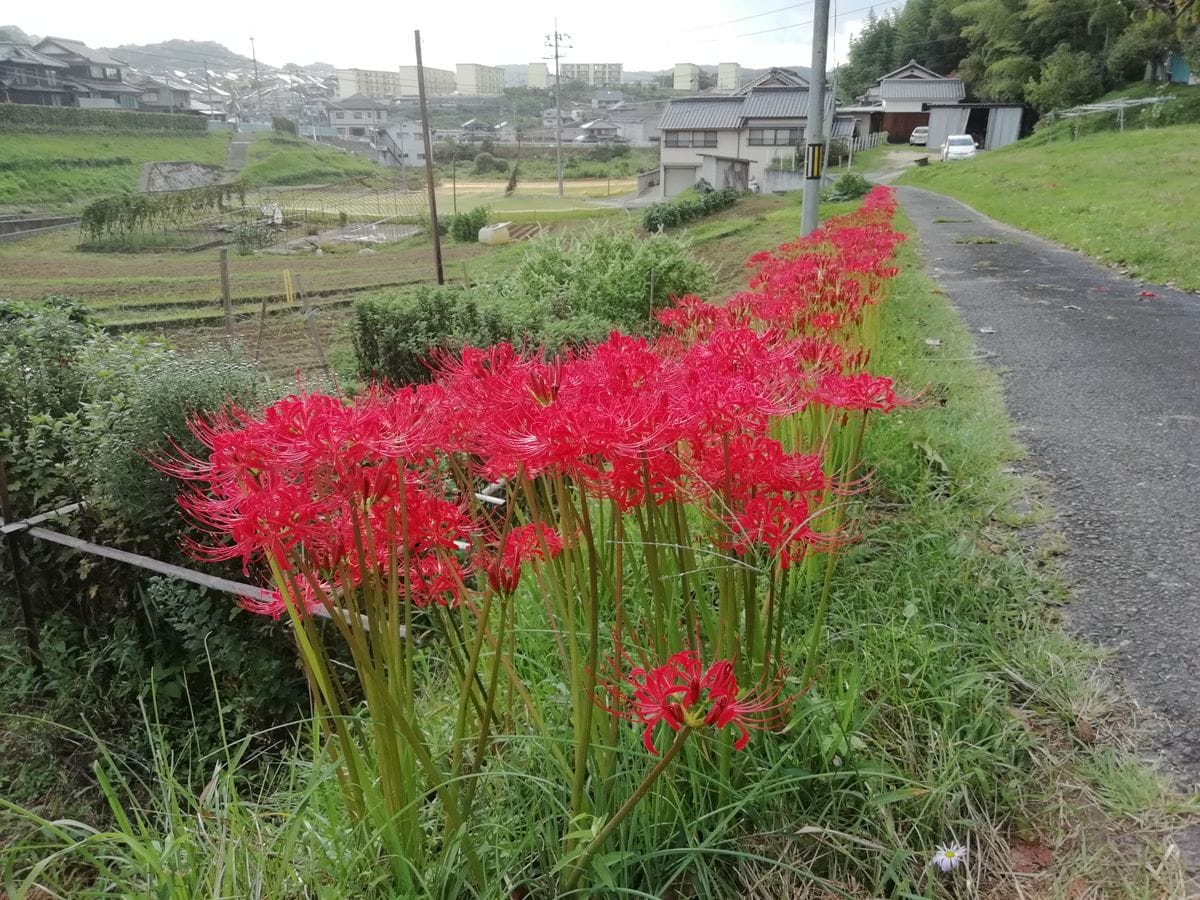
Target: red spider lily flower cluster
x,y
684,692
331,491
519,546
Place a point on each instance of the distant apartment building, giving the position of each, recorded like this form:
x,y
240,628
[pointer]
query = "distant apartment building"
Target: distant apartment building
x,y
370,82
539,76
475,80
729,77
595,74
438,82
687,77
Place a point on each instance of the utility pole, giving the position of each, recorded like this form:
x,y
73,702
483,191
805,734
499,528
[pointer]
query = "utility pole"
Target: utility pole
x,y
433,216
814,130
553,41
257,80
208,87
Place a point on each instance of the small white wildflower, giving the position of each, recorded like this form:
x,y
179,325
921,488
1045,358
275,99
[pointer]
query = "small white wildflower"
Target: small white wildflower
x,y
950,857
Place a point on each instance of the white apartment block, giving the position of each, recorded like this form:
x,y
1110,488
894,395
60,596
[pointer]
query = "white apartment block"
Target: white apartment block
x,y
595,74
438,82
687,77
371,82
539,76
479,81
729,77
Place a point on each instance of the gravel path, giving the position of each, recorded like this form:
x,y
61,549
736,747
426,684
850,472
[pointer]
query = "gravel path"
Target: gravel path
x,y
1102,375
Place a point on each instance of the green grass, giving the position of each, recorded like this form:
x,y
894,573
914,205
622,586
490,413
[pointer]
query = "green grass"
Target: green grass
x,y
1124,198
275,159
64,171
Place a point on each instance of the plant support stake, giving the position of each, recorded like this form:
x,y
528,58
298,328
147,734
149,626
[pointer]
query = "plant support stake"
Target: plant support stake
x,y
433,216
14,558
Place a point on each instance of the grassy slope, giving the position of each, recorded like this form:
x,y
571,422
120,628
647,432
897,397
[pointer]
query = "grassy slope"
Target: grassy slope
x,y
36,171
278,160
1126,198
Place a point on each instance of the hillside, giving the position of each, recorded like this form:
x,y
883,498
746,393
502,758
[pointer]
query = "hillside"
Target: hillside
x,y
1125,198
183,55
275,159
64,171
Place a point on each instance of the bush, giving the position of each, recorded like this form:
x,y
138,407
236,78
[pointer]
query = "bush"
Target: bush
x,y
17,117
81,413
566,291
396,334
672,213
485,163
283,125
250,236
848,186
464,227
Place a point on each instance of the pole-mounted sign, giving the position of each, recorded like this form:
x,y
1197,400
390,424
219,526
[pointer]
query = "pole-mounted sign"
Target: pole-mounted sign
x,y
814,160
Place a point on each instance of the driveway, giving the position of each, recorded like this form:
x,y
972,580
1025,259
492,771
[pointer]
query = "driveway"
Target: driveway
x,y
1101,375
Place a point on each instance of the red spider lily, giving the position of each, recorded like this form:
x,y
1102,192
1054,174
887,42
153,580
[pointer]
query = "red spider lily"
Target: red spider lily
x,y
683,692
523,544
858,392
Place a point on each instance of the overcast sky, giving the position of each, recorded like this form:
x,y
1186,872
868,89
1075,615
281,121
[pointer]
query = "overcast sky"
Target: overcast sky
x,y
379,35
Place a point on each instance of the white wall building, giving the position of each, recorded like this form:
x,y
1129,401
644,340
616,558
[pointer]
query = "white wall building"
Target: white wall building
x,y
475,80
438,82
687,77
539,76
729,77
371,82
730,140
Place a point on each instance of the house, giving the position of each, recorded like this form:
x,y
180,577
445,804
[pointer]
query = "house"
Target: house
x,y
27,76
599,131
607,99
775,77
638,122
165,95
401,144
95,79
478,126
358,117
901,97
730,140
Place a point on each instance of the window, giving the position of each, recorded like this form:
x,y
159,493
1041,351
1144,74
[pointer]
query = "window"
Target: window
x,y
358,115
776,137
691,139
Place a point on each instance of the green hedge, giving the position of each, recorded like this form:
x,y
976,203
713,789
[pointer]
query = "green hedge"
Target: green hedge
x,y
660,216
565,291
23,117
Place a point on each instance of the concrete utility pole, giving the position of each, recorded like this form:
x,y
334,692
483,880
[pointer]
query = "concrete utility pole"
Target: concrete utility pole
x,y
257,80
553,41
208,88
433,216
814,130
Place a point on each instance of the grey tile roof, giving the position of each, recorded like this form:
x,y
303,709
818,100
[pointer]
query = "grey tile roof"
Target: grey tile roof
x,y
83,50
702,112
23,53
776,103
927,89
732,112
843,127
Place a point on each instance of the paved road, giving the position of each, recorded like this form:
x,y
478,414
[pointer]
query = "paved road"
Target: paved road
x,y
1105,387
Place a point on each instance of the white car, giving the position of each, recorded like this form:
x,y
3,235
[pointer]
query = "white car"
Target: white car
x,y
919,136
958,146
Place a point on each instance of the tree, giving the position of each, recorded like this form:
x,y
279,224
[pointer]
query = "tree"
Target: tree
x,y
1145,44
1067,79
871,56
707,80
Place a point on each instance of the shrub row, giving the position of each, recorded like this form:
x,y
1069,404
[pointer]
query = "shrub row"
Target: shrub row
x,y
672,213
565,291
24,117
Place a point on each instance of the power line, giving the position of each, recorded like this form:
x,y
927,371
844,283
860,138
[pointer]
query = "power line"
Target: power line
x,y
769,12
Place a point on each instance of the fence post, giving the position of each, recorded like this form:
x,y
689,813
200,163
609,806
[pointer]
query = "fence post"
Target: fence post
x,y
226,296
310,322
14,558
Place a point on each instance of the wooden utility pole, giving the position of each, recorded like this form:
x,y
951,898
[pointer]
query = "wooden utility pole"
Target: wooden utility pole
x,y
433,216
226,296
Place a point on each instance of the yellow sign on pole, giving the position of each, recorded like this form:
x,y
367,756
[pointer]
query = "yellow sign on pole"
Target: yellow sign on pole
x,y
814,160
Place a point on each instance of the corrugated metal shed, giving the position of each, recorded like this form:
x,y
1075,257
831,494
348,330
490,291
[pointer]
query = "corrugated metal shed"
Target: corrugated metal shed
x,y
702,113
927,89
843,127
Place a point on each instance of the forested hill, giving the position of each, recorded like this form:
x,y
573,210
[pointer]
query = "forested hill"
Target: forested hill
x,y
1048,53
